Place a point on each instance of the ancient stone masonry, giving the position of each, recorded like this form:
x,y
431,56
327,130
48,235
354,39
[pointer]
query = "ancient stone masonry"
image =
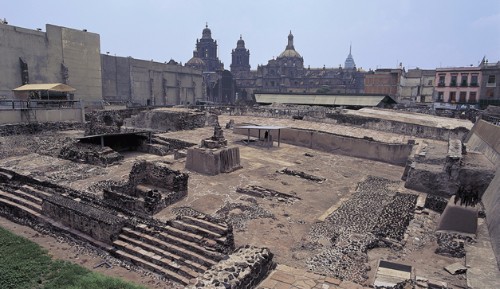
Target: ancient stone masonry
x,y
165,120
90,220
358,225
238,214
90,154
37,127
213,156
151,187
435,203
261,192
244,269
302,175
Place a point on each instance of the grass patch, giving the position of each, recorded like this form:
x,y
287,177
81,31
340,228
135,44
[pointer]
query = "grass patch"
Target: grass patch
x,y
24,264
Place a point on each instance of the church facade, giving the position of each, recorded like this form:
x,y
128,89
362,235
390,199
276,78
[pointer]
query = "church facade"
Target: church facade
x,y
287,74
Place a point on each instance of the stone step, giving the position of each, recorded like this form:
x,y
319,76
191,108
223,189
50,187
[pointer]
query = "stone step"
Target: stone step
x,y
171,248
151,266
210,226
204,248
27,196
179,224
27,210
188,236
21,201
163,258
35,191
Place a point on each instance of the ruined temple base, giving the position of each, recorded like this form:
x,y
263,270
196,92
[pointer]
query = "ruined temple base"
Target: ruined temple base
x,y
213,161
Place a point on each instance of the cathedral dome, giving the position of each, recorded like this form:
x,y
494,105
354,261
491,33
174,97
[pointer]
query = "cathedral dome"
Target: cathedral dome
x,y
290,50
196,61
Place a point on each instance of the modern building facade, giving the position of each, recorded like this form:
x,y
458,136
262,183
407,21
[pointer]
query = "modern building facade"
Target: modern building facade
x,y
384,81
142,82
458,85
417,86
490,83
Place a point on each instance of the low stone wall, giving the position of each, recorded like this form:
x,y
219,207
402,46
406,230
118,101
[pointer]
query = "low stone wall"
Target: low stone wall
x,y
244,269
90,154
339,144
212,162
416,130
37,127
90,220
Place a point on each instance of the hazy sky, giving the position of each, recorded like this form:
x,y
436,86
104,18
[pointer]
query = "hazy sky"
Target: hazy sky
x,y
423,33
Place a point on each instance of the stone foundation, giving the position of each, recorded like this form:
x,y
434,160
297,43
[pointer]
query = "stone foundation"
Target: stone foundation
x,y
90,220
245,268
151,187
213,161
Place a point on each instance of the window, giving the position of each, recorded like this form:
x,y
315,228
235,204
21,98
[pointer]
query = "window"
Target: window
x,y
473,80
463,96
453,97
453,80
472,97
440,96
489,92
441,80
463,79
491,81
429,83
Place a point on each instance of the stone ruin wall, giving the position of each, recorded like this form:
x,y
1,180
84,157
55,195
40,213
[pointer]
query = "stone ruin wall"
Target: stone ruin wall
x,y
416,130
159,175
392,153
211,162
35,127
92,221
107,121
244,269
165,120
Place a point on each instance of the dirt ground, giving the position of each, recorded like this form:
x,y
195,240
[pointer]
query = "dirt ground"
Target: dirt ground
x,y
273,223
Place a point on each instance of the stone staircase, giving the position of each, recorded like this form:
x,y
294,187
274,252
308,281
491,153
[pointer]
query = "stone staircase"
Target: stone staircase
x,y
182,250
22,201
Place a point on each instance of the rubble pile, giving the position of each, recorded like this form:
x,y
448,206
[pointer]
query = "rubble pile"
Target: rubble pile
x,y
435,203
302,175
90,154
452,244
245,268
238,214
261,192
374,214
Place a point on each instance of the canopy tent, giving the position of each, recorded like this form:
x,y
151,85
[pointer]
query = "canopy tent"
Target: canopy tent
x,y
260,128
42,90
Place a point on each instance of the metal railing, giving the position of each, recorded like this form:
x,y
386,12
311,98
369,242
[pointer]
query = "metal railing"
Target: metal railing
x,y
12,104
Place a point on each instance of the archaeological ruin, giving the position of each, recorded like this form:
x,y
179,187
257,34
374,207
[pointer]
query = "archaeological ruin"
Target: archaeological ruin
x,y
281,197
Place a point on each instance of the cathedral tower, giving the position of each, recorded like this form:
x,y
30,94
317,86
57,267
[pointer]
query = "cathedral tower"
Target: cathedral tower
x,y
240,57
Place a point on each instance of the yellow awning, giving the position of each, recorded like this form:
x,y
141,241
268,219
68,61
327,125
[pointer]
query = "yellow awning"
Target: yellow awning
x,y
59,87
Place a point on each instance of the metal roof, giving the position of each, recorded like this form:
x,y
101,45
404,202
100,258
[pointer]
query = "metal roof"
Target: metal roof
x,y
60,87
266,127
323,99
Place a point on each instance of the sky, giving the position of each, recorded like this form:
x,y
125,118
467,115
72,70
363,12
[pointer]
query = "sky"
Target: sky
x,y
417,33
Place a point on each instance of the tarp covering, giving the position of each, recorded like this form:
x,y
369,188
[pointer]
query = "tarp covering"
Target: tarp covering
x,y
324,99
59,87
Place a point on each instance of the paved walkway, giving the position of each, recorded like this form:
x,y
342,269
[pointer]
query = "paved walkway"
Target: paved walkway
x,y
284,277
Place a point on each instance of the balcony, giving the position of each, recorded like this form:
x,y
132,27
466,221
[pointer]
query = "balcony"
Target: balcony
x,y
474,84
463,84
441,84
453,83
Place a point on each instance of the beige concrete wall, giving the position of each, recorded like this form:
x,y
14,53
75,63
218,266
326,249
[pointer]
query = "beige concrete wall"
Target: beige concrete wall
x,y
45,53
355,147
